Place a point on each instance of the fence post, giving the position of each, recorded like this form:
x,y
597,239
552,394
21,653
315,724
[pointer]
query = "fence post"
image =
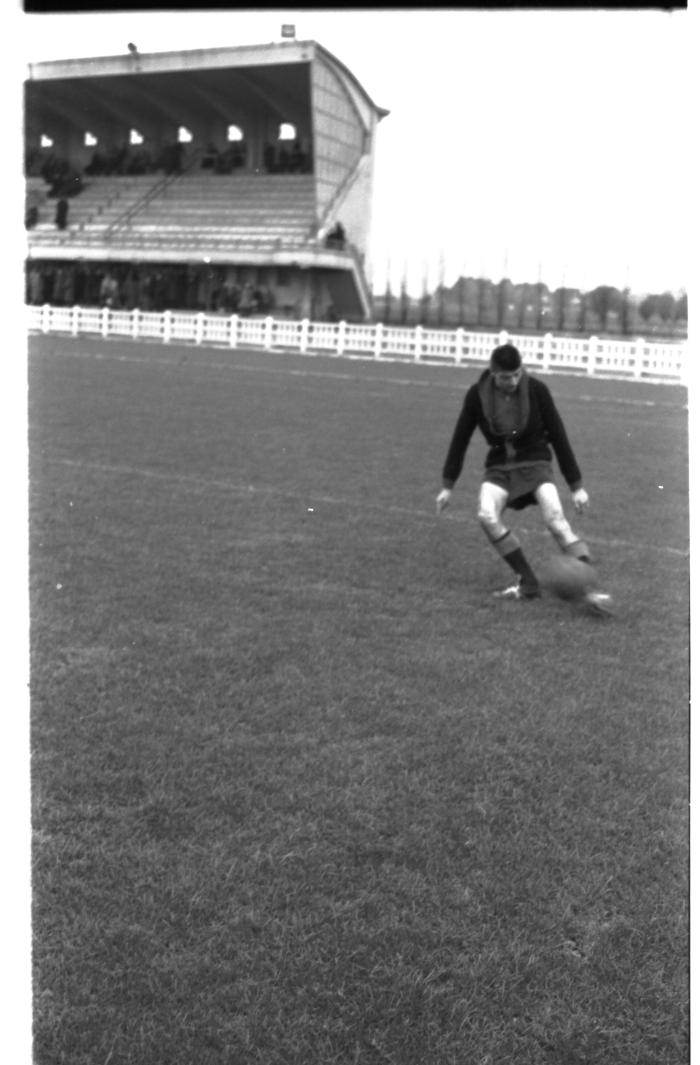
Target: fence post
x,y
459,344
199,330
105,322
503,337
592,345
378,337
547,341
75,320
233,330
638,357
45,318
418,348
304,338
267,343
135,317
167,326
340,344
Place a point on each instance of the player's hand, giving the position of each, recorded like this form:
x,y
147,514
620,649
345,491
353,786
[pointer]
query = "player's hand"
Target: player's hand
x,y
580,498
443,500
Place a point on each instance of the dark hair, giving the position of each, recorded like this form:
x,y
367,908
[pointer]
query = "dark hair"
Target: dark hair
x,y
506,358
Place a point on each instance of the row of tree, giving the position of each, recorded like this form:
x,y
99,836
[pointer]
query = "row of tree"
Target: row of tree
x,y
478,302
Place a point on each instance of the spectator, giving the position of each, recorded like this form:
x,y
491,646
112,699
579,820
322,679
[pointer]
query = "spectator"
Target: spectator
x,y
139,163
46,286
62,213
224,162
159,292
33,162
296,162
146,291
171,158
36,285
80,285
117,163
269,158
109,291
71,185
210,157
229,297
58,279
131,290
336,237
247,303
96,165
263,297
63,286
192,286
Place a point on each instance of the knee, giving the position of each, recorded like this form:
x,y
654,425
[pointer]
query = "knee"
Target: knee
x,y
486,516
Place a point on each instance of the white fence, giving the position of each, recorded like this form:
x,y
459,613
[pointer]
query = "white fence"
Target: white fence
x,y
635,359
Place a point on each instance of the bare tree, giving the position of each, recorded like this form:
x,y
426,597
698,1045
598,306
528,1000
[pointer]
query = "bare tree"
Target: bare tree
x,y
403,298
604,299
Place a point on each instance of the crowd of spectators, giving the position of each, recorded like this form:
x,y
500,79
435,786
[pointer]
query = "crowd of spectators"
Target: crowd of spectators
x,y
280,159
232,158
58,173
65,181
136,159
158,288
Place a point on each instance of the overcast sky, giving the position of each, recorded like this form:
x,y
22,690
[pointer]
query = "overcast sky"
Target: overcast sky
x,y
518,142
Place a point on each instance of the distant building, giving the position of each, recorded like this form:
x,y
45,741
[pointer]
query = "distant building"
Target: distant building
x,y
234,162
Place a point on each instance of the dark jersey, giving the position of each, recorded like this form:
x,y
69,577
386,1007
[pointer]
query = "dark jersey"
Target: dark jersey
x,y
537,431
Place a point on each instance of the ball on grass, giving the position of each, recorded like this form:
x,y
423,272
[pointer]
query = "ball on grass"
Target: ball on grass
x,y
568,577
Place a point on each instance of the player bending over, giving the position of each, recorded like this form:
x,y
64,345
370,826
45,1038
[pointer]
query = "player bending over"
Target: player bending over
x,y
518,418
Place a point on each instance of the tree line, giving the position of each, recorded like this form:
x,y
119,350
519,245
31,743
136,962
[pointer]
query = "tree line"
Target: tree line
x,y
476,302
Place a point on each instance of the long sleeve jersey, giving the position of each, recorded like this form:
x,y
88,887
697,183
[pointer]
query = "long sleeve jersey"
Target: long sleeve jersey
x,y
540,426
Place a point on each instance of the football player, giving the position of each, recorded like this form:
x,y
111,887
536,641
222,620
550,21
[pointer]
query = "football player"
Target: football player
x,y
517,416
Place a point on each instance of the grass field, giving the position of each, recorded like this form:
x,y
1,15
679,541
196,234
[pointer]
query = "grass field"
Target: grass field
x,y
303,792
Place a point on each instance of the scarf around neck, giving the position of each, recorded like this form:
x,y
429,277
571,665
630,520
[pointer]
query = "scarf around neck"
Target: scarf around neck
x,y
520,399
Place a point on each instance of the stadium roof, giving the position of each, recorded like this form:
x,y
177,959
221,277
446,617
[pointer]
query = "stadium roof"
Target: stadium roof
x,y
162,84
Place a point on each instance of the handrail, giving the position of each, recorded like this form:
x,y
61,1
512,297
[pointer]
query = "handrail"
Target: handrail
x,y
318,226
123,219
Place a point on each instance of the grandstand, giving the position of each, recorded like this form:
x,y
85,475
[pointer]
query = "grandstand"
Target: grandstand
x,y
215,171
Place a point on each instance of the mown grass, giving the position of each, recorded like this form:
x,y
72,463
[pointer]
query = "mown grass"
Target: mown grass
x,y
303,792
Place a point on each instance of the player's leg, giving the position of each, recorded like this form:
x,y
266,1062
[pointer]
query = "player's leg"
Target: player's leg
x,y
492,503
597,601
554,518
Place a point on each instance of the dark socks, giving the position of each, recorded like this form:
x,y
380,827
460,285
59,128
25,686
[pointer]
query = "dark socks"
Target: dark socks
x,y
517,561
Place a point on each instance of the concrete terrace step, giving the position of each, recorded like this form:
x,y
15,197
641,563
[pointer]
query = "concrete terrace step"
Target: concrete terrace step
x,y
260,211
266,233
194,211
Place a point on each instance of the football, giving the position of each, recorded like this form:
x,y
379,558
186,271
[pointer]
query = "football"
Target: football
x,y
568,577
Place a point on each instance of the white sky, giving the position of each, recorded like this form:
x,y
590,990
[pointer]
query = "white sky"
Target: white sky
x,y
544,140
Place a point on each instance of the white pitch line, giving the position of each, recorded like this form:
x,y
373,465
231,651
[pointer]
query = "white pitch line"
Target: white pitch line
x,y
249,490
340,376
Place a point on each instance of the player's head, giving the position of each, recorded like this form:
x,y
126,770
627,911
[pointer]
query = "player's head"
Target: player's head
x,y
506,367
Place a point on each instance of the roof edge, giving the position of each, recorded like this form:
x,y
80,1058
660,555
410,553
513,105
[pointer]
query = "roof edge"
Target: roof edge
x,y
382,112
134,61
